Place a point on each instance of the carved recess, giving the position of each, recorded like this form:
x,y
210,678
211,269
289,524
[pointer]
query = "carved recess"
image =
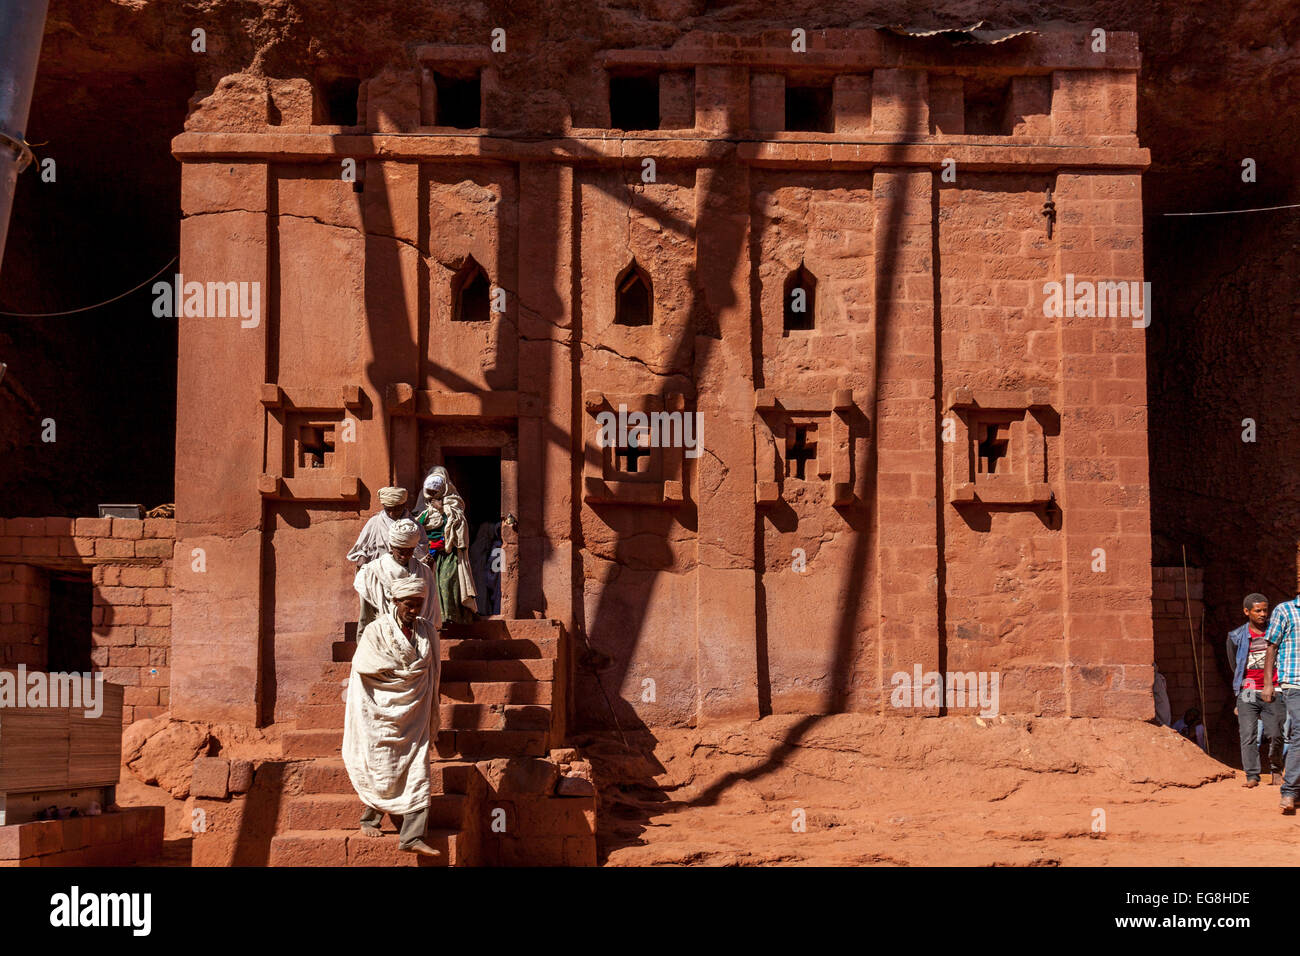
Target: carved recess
x,y
647,469
310,443
998,451
812,440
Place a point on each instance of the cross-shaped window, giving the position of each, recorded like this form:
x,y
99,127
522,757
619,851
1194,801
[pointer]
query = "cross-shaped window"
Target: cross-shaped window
x,y
800,451
628,458
993,447
315,442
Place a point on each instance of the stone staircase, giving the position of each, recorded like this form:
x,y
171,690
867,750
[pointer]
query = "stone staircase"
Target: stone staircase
x,y
502,693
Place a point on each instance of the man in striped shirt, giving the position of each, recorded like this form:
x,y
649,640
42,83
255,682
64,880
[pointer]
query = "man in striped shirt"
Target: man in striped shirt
x,y
1284,650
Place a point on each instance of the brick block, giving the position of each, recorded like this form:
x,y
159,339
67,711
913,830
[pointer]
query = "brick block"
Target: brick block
x,y
241,776
153,548
114,548
41,547
211,777
160,528
144,577
129,529
25,527
94,527
58,527
146,696
126,676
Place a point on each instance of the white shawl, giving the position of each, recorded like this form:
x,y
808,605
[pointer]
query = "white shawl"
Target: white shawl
x,y
375,580
392,713
373,540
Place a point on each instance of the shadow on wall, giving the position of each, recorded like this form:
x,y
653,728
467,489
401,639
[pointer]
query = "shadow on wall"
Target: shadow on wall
x,y
106,220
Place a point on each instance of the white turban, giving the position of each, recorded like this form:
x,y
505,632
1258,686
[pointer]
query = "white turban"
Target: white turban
x,y
433,484
391,497
407,586
403,534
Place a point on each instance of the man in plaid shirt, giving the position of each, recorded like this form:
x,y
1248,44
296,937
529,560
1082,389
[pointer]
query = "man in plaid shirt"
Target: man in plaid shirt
x,y
1284,650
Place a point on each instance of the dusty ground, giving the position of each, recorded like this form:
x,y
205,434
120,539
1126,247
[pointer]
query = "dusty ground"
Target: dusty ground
x,y
948,791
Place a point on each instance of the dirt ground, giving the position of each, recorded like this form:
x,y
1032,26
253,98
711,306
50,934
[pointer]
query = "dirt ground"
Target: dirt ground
x,y
854,790
941,791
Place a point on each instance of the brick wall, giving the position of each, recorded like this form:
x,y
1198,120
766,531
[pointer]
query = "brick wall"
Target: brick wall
x,y
1179,659
24,615
128,563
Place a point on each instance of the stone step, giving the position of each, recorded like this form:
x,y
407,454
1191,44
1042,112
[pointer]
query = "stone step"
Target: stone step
x,y
300,744
326,693
495,692
349,848
486,744
470,649
494,671
341,811
500,629
453,716
449,744
328,775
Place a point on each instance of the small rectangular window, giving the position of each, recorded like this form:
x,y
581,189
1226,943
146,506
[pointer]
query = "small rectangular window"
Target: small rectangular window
x,y
634,102
808,109
458,100
985,106
338,100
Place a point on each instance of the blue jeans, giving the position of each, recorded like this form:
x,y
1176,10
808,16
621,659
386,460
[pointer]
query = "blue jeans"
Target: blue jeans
x,y
1291,776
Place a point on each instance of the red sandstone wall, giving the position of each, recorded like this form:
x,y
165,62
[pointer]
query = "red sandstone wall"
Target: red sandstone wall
x,y
1004,587
826,222
698,596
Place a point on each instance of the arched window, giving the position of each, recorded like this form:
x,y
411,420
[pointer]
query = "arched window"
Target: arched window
x,y
635,300
471,294
800,300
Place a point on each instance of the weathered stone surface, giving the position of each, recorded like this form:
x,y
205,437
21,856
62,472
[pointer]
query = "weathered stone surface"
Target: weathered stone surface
x,y
162,751
211,778
522,775
241,776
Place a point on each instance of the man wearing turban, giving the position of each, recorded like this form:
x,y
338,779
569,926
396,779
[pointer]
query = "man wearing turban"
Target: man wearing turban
x,y
374,582
373,540
441,512
392,714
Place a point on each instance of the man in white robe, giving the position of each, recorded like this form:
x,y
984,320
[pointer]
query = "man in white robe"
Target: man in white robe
x,y
374,581
373,540
391,716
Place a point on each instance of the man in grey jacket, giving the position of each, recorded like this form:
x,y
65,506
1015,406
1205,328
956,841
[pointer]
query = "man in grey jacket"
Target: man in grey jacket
x,y
1246,648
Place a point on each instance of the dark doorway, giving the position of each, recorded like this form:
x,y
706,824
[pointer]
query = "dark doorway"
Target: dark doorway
x,y
71,599
476,473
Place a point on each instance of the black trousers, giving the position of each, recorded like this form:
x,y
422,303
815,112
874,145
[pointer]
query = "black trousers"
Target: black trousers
x,y
410,827
1250,709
